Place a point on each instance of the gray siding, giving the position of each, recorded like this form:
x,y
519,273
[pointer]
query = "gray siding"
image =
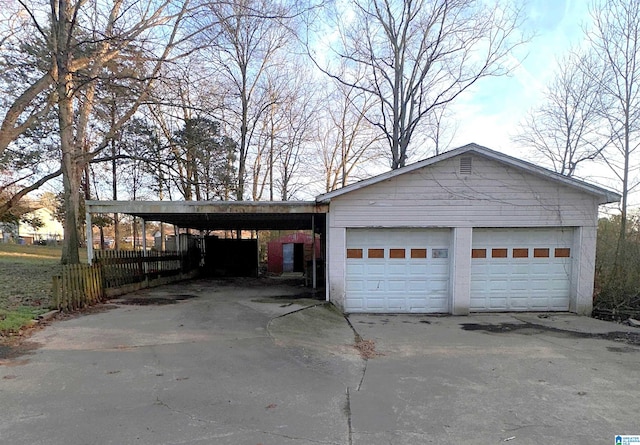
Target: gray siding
x,y
493,195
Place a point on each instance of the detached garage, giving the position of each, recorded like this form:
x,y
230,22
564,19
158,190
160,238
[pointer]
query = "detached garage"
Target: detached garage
x,y
471,230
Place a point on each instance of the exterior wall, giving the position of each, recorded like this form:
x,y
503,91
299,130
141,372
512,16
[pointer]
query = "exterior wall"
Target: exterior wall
x,y
493,195
274,249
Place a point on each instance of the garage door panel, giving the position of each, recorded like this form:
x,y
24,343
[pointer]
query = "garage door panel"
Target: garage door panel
x,y
538,302
498,303
558,303
437,289
355,285
397,270
417,269
396,285
396,302
418,304
354,303
375,269
520,286
499,284
419,286
407,278
354,269
538,281
538,286
375,286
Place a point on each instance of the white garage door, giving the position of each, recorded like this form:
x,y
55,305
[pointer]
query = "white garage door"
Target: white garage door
x,y
521,269
397,270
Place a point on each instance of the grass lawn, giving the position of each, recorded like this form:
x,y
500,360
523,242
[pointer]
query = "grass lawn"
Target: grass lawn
x,y
25,282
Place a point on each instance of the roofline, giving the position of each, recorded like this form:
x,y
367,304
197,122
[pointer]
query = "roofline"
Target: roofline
x,y
142,207
607,196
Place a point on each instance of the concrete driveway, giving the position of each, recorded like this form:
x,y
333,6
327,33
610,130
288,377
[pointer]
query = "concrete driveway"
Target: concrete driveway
x,y
214,362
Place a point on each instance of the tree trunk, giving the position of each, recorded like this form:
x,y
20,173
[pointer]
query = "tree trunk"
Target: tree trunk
x,y
71,194
70,168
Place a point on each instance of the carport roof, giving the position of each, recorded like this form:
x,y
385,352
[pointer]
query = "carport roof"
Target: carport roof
x,y
221,215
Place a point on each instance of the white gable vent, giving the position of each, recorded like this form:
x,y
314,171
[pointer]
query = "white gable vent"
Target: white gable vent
x,y
465,165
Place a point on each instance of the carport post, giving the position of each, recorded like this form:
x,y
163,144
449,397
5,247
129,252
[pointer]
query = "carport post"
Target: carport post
x,y
144,237
89,238
144,248
258,253
313,250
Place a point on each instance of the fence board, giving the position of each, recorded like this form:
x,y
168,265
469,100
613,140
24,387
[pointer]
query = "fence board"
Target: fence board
x,y
78,286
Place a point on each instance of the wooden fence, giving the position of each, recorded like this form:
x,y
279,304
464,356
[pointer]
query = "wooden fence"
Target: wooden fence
x,y
122,267
79,286
82,285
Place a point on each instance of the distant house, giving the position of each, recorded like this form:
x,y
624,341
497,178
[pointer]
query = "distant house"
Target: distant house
x,y
50,231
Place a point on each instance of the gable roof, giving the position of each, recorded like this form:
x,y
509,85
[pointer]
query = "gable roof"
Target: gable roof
x,y
606,196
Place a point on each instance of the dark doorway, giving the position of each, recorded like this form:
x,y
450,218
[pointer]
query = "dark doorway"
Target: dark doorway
x,y
231,257
293,257
298,257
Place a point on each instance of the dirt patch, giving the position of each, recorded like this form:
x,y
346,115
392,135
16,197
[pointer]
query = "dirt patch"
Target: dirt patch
x,y
367,349
632,338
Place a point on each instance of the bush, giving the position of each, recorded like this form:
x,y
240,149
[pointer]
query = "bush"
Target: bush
x,y
617,286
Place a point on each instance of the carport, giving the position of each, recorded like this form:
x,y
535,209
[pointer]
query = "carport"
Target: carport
x,y
221,215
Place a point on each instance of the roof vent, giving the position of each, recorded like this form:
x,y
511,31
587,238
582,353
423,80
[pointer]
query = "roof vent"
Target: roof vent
x,y
465,165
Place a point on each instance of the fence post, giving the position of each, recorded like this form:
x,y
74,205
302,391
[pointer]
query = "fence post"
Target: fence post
x,y
56,291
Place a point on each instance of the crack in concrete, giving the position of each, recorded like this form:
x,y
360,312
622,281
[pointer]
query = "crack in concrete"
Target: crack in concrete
x,y
356,339
324,303
347,411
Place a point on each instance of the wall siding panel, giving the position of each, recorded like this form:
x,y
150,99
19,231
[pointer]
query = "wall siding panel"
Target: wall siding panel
x,y
494,195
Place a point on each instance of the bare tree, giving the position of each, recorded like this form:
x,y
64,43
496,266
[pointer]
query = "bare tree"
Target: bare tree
x,y
270,123
616,39
440,129
565,130
82,43
346,141
419,55
244,39
298,113
284,131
